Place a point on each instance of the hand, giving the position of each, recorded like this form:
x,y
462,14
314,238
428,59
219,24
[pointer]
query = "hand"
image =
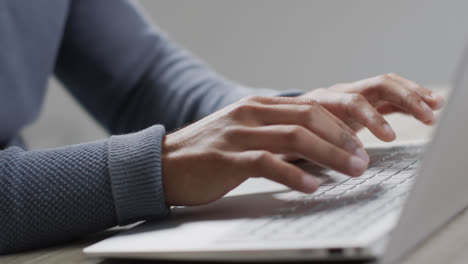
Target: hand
x,y
363,103
205,160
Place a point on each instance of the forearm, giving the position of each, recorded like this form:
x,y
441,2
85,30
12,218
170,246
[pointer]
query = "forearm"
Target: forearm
x,y
51,196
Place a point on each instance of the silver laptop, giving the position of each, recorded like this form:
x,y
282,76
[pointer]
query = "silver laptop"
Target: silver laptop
x,y
398,202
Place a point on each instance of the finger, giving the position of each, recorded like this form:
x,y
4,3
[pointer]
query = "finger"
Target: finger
x,y
344,126
314,118
280,100
359,109
434,100
388,108
304,101
265,164
404,98
300,142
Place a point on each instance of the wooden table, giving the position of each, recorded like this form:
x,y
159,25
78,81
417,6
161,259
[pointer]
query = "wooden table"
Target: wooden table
x,y
448,245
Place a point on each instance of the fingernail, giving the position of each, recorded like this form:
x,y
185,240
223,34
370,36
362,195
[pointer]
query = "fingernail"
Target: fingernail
x,y
439,100
428,110
436,97
432,121
310,182
357,166
362,154
389,131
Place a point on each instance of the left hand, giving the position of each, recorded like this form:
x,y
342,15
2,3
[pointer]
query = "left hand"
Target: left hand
x,y
363,103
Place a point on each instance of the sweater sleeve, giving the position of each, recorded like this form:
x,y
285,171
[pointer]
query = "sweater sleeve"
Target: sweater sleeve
x,y
129,75
55,195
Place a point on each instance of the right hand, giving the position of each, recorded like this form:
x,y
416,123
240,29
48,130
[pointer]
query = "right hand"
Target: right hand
x,y
207,159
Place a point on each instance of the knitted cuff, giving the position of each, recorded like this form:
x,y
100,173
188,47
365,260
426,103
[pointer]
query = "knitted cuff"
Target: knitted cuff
x,y
135,170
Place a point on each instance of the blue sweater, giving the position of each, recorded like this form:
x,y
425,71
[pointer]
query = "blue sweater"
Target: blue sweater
x,y
130,78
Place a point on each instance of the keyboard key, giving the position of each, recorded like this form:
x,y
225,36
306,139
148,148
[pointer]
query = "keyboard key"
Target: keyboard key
x,y
354,181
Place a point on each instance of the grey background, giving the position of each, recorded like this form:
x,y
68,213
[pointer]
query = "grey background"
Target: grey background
x,y
283,44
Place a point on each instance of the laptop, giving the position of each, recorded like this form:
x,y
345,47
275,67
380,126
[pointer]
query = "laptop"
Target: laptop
x,y
408,192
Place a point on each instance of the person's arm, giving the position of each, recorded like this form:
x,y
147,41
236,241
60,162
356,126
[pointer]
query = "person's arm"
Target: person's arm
x,y
55,195
129,75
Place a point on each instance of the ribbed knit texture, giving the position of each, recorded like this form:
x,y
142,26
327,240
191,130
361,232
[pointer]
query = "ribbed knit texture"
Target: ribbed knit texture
x,y
135,170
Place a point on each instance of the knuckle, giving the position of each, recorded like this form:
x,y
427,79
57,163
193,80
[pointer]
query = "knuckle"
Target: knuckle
x,y
381,122
378,120
346,139
421,89
411,97
261,158
243,109
292,134
372,118
312,107
393,75
252,98
305,112
311,102
214,156
233,132
384,78
307,101
356,99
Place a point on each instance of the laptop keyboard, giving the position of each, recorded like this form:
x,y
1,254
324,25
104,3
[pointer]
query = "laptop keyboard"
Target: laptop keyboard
x,y
342,206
